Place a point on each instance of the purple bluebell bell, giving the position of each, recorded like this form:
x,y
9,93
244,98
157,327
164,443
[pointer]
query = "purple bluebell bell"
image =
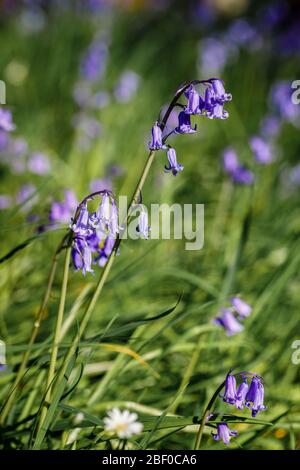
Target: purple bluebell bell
x,y
241,394
228,321
184,124
255,396
105,251
224,433
82,226
215,98
174,166
195,102
230,389
281,100
241,307
143,227
6,123
262,150
156,142
82,255
270,126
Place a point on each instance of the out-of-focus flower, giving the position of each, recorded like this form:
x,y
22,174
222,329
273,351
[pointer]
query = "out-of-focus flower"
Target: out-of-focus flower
x,y
262,150
101,184
3,140
281,100
224,433
26,196
214,54
238,173
228,321
93,64
270,126
255,396
174,167
6,122
5,201
127,86
156,142
61,212
32,20
241,307
122,423
89,126
39,163
242,33
184,124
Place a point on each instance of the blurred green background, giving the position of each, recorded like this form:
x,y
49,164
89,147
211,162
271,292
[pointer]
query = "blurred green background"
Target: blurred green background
x,y
251,244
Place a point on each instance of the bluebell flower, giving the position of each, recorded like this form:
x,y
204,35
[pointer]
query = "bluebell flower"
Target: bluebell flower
x,y
143,227
224,433
195,102
105,251
82,255
241,307
61,212
241,394
215,98
81,225
156,142
230,389
184,124
255,396
228,321
174,166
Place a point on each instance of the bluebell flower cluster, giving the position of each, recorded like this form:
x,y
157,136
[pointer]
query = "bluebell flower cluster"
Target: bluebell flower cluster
x,y
94,234
248,393
229,317
208,102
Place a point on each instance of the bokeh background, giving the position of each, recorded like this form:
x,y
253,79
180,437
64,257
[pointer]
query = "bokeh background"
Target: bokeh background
x,y
85,81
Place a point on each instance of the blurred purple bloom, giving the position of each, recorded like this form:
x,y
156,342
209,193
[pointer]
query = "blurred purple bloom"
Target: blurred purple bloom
x,y
26,196
82,93
262,150
270,126
89,126
61,212
5,201
100,184
156,142
4,139
99,100
213,56
39,163
241,307
255,396
93,64
242,33
228,321
230,389
82,255
174,166
232,166
6,123
127,86
281,99
184,124
241,395
224,433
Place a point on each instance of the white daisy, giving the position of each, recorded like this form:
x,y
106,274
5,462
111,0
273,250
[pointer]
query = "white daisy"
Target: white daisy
x,y
122,423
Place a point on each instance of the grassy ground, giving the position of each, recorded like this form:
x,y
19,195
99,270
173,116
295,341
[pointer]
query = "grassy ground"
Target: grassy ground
x,y
251,241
